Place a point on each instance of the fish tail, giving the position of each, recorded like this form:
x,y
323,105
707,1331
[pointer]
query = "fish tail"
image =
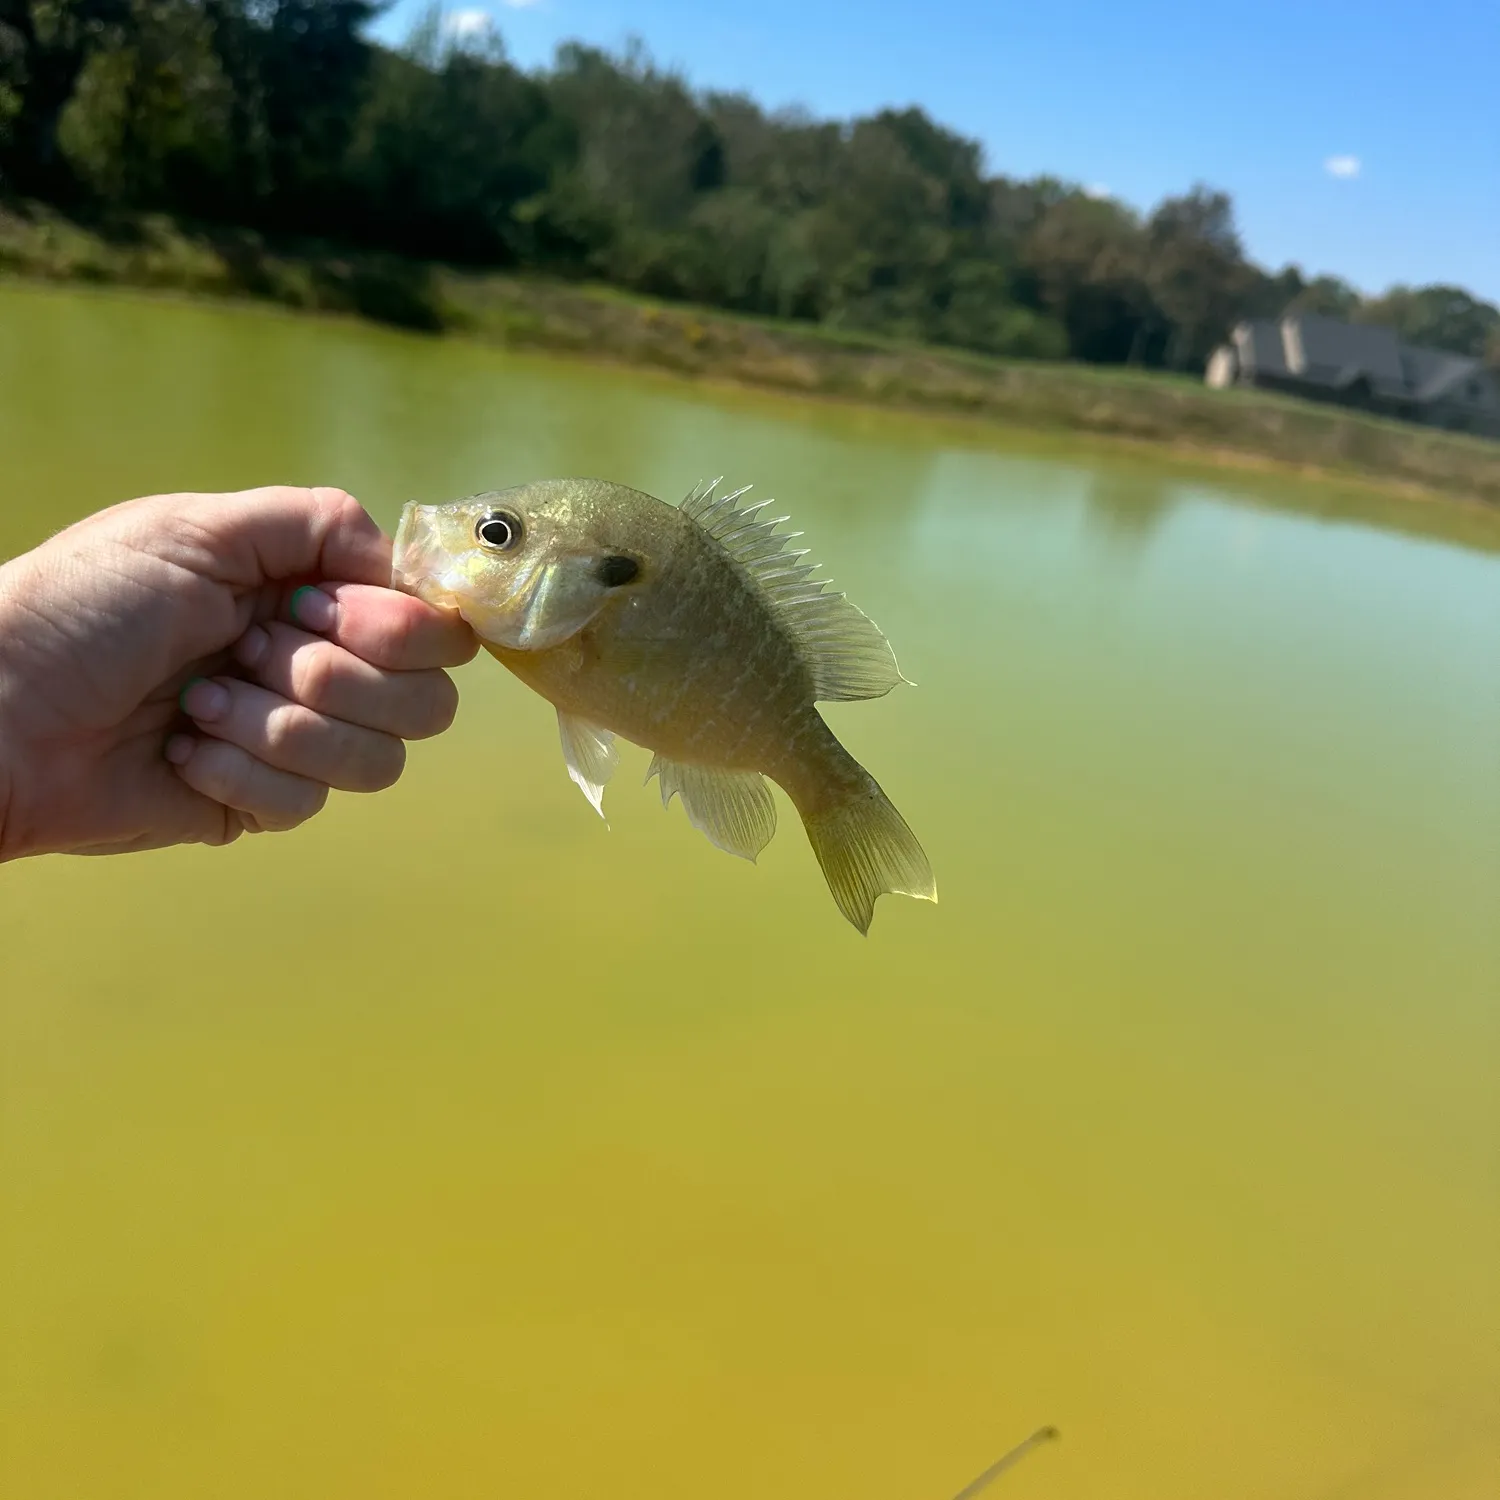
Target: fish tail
x,y
863,844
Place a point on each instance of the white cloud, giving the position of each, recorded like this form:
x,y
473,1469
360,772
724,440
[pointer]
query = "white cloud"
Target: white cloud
x,y
1342,166
1096,190
467,23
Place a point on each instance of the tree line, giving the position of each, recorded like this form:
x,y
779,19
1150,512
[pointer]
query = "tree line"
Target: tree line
x,y
283,117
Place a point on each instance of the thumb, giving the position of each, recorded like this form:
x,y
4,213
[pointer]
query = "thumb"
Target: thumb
x,y
251,537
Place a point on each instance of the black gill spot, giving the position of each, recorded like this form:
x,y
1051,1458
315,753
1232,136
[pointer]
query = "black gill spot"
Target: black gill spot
x,y
616,570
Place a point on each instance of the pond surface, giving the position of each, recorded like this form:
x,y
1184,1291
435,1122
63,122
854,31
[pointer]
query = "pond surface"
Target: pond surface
x,y
457,1145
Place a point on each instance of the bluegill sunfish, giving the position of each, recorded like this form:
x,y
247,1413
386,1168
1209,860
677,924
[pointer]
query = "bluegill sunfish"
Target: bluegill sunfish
x,y
694,631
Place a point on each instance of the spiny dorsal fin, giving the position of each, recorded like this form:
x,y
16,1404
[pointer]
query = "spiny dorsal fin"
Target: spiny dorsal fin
x,y
848,656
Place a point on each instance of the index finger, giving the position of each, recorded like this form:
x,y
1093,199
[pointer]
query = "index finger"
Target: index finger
x,y
383,627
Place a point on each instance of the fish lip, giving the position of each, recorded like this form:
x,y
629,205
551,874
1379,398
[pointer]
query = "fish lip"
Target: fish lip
x,y
418,566
402,538
411,550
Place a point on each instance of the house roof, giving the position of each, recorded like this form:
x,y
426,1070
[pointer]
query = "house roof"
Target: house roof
x,y
1431,372
1328,346
1329,353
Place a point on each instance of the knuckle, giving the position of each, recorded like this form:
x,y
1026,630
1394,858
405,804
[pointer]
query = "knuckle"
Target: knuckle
x,y
384,763
293,803
225,827
398,637
314,673
436,707
310,800
466,646
227,772
340,505
224,773
342,514
255,797
289,731
447,704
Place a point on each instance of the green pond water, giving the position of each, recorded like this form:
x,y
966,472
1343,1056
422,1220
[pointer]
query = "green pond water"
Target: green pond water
x,y
458,1145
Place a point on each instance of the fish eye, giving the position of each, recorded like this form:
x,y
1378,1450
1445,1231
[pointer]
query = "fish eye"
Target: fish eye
x,y
500,529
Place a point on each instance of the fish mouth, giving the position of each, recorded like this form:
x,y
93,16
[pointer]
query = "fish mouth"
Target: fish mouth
x,y
417,563
407,547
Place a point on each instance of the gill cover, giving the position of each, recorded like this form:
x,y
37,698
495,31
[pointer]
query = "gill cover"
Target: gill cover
x,y
552,599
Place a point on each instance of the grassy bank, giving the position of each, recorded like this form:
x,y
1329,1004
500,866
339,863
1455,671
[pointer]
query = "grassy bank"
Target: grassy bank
x,y
529,313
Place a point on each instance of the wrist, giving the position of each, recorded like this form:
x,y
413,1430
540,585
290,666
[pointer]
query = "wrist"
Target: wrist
x,y
5,850
9,750
4,789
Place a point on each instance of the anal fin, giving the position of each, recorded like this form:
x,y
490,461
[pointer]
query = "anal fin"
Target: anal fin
x,y
591,756
734,808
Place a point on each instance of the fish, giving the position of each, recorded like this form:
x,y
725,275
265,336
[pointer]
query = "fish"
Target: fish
x,y
695,631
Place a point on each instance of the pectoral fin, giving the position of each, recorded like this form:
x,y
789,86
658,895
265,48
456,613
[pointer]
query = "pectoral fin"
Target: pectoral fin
x,y
591,756
734,808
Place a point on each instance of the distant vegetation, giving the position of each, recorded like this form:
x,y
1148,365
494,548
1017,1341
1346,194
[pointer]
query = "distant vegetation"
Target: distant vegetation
x,y
528,311
278,116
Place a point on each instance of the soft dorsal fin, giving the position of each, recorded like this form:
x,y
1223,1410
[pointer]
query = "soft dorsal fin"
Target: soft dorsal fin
x,y
848,656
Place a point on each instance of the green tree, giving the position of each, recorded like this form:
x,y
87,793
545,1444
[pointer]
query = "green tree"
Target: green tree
x,y
642,153
281,115
44,47
1329,296
1196,274
451,141
309,61
1085,258
879,238
149,119
1440,317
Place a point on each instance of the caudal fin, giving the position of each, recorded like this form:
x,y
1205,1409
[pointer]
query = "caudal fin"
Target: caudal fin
x,y
866,849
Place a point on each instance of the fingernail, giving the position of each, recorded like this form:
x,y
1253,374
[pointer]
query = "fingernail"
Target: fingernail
x,y
313,608
204,700
250,650
179,749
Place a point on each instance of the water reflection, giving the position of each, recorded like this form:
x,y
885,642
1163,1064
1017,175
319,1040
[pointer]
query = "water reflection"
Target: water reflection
x,y
1127,510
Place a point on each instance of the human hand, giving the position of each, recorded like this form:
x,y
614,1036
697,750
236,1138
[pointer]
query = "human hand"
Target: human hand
x,y
187,668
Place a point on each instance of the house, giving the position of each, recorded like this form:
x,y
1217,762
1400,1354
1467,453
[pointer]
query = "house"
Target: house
x,y
1351,364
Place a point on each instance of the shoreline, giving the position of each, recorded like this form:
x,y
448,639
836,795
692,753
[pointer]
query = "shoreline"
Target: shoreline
x,y
1149,412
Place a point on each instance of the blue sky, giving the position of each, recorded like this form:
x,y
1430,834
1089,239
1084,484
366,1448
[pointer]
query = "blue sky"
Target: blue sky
x,y
1362,139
